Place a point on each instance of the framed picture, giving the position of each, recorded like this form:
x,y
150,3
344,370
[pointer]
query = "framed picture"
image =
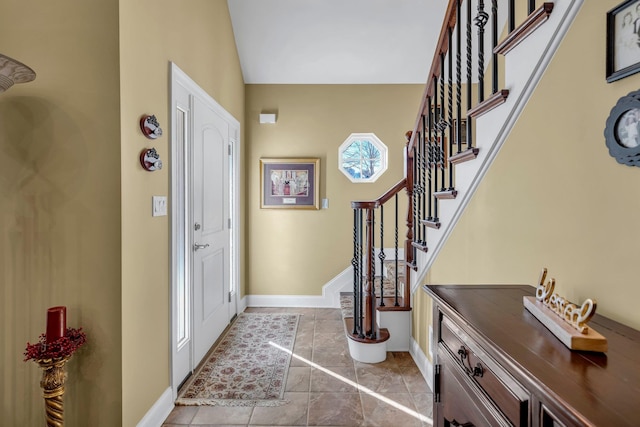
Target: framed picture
x,y
289,183
623,40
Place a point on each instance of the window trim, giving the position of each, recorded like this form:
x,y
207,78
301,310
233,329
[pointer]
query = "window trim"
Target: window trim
x,y
377,142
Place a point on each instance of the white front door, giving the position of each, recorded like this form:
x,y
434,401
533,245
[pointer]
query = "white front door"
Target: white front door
x,y
204,268
211,243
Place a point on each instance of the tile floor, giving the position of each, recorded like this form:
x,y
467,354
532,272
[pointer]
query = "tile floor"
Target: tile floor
x,y
325,387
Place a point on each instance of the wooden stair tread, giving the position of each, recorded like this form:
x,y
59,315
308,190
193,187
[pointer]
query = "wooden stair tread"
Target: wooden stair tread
x,y
533,21
389,304
464,156
383,333
446,194
422,246
489,104
431,223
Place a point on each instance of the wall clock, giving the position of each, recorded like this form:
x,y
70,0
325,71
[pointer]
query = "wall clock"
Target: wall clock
x,y
622,130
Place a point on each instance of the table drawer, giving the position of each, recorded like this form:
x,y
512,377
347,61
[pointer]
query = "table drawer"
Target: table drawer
x,y
506,394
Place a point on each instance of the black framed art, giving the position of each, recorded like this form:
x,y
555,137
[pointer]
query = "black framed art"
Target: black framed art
x,y
623,40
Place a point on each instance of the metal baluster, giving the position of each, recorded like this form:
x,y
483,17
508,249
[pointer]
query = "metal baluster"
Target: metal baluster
x,y
427,166
481,20
357,278
361,287
381,255
354,264
417,190
434,148
469,76
450,106
417,193
411,226
512,15
442,124
396,254
458,128
452,131
372,288
421,177
494,43
422,200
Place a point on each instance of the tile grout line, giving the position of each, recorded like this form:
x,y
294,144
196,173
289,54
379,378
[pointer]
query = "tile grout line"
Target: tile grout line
x,y
313,345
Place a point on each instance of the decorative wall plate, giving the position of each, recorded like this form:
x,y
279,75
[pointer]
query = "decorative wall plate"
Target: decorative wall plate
x,y
150,160
150,127
622,130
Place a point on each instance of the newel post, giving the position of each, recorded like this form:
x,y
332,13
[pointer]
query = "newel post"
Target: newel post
x,y
369,290
408,248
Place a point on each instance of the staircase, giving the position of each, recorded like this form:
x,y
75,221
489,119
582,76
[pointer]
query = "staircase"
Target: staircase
x,y
478,86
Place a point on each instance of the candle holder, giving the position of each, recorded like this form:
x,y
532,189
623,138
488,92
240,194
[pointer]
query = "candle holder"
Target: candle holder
x,y
52,357
54,377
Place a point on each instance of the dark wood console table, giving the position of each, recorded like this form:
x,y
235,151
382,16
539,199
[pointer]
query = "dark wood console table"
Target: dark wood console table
x,y
497,365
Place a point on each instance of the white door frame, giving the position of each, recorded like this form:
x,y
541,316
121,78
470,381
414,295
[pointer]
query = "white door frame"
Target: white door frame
x,y
180,240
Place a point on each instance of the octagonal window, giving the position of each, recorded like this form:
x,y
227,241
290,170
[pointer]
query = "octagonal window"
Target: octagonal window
x,y
363,157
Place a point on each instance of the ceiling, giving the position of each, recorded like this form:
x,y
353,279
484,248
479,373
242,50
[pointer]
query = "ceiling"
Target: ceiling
x,y
336,41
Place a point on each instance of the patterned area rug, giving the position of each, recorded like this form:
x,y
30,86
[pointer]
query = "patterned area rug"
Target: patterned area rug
x,y
244,369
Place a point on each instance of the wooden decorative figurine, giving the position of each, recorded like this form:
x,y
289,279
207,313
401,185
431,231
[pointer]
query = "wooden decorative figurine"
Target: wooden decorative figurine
x,y
565,320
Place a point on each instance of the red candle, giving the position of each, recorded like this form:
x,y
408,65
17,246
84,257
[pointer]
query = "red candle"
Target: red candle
x,y
56,323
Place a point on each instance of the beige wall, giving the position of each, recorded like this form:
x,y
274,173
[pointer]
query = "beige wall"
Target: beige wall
x,y
69,144
197,36
69,172
60,204
296,252
554,197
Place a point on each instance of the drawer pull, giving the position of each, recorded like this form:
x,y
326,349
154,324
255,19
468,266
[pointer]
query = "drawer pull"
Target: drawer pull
x,y
476,371
457,424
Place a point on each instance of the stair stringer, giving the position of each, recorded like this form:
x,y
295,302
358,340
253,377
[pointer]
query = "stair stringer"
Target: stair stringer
x,y
524,67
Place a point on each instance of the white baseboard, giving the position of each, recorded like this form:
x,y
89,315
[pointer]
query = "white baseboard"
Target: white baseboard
x,y
330,297
242,304
287,301
426,367
159,411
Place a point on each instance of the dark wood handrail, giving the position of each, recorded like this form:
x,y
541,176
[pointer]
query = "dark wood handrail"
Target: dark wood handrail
x,y
372,204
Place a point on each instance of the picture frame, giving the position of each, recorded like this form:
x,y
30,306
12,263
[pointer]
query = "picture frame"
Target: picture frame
x,y
623,40
289,183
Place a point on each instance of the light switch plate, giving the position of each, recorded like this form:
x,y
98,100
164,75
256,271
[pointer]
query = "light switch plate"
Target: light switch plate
x,y
159,206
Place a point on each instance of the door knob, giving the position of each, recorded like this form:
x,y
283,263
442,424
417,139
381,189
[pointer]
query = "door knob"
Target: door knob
x,y
197,246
